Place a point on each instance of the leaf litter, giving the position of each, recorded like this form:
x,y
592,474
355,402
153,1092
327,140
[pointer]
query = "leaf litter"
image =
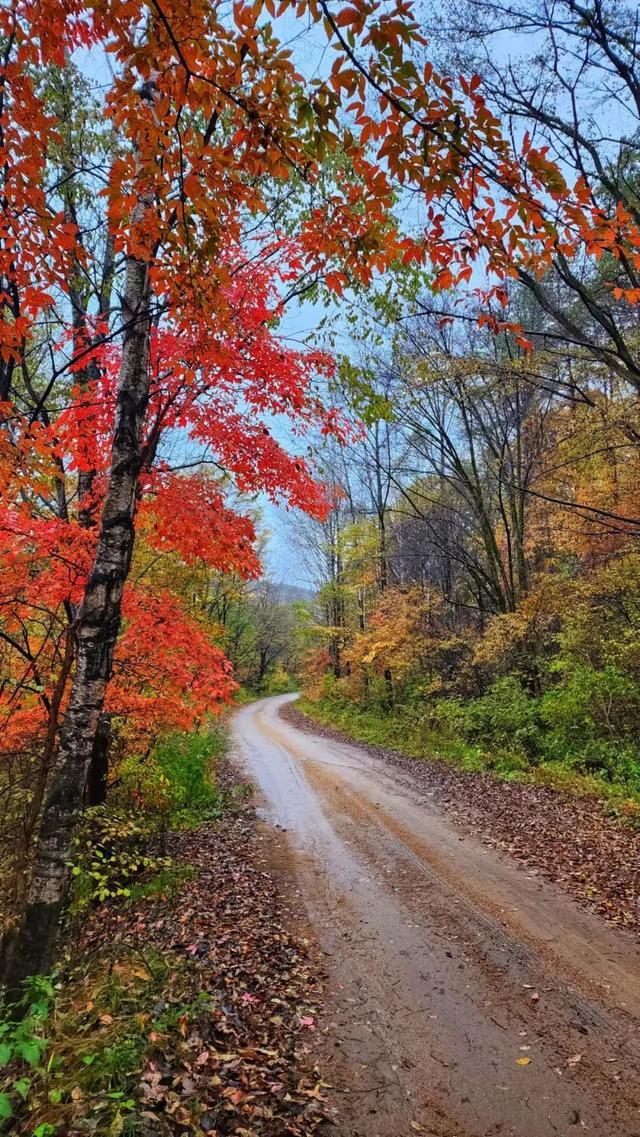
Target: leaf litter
x,y
244,995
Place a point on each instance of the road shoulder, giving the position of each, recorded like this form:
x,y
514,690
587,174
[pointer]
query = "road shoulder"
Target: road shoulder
x,y
578,843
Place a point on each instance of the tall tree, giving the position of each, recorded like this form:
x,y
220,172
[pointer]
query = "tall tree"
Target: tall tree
x,y
191,97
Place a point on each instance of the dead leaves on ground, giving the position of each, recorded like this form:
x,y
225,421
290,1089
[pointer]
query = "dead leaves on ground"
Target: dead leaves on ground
x,y
236,1060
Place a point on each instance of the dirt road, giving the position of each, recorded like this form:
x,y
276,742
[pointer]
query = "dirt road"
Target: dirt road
x,y
467,998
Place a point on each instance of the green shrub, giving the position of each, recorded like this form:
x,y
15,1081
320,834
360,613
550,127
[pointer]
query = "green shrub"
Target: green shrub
x,y
505,716
111,850
587,701
446,717
188,763
176,783
23,1043
613,761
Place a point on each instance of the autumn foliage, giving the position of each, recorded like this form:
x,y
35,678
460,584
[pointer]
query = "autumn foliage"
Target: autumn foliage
x,y
152,237
168,670
482,604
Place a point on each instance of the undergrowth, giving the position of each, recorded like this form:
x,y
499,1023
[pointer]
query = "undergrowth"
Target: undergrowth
x,y
72,1060
121,844
498,735
75,1043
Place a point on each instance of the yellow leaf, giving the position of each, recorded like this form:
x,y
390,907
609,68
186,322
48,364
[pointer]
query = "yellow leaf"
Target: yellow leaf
x,y
141,973
522,1061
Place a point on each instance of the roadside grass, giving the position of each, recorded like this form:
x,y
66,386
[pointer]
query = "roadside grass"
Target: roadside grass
x,y
189,763
407,732
164,884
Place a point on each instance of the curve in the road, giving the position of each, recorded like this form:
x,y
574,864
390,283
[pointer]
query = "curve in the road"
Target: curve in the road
x,y
468,997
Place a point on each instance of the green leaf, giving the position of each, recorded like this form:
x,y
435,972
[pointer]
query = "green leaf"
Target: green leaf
x,y
39,1010
6,1050
22,1087
6,1109
29,1050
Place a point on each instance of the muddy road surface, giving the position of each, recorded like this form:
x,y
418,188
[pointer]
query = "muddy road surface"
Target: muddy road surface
x,y
466,997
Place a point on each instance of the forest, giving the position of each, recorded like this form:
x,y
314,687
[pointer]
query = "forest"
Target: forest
x,y
478,574
319,373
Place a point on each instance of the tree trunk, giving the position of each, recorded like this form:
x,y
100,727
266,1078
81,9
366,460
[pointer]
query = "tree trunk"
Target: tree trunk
x,y
96,628
388,689
98,775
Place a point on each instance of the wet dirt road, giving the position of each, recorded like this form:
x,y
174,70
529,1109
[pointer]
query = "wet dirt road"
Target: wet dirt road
x,y
467,998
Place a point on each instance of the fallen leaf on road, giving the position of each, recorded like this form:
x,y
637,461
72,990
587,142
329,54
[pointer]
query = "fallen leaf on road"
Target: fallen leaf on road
x,y
523,1061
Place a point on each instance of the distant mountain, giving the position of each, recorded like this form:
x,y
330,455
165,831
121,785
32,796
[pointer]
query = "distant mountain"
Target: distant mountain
x,y
280,592
289,593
